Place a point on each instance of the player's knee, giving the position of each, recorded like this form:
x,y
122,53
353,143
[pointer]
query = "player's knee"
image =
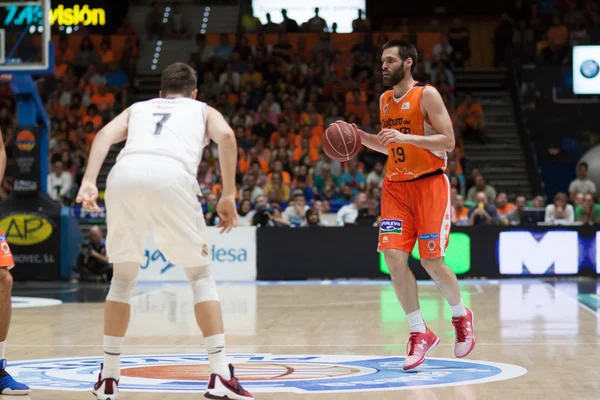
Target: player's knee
x,y
123,282
6,279
433,266
396,261
120,291
203,284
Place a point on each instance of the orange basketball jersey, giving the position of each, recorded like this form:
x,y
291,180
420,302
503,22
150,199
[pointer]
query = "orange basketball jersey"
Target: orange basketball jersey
x,y
406,161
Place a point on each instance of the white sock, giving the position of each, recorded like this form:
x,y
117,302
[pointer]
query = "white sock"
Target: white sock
x,y
458,310
217,356
2,345
113,346
415,319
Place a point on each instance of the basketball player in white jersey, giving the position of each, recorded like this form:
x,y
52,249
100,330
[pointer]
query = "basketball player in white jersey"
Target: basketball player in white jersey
x,y
153,189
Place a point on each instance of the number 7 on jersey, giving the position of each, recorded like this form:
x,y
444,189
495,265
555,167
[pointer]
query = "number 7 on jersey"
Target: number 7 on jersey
x,y
163,118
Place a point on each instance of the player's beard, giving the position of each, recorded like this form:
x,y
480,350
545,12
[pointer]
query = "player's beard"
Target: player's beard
x,y
395,77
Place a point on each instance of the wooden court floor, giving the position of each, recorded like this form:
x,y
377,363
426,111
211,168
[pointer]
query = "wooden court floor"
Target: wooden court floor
x,y
320,341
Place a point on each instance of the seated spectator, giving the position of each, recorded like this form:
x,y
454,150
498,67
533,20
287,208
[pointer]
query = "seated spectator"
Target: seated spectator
x,y
255,191
483,213
558,33
316,24
296,210
455,184
59,183
252,76
514,217
312,219
560,212
480,186
538,202
503,206
578,201
104,99
353,177
230,76
305,150
369,214
589,212
304,188
244,213
470,115
106,54
442,51
283,48
223,50
93,264
581,184
87,54
347,214
154,22
210,215
361,24
93,117
376,176
177,24
278,167
459,213
277,190
324,46
263,129
267,215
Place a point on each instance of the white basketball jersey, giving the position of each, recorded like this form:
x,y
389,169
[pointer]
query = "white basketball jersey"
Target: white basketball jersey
x,y
174,128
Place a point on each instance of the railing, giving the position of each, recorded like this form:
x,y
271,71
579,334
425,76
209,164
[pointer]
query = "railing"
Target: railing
x,y
533,172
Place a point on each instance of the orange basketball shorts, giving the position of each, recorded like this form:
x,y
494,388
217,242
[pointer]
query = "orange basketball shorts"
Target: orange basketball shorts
x,y
416,210
6,258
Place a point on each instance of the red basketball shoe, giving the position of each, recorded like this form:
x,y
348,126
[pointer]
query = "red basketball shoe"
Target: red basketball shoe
x,y
419,344
221,389
106,388
465,337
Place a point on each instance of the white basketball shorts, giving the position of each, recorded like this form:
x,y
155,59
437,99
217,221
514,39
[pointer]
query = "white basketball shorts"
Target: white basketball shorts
x,y
154,195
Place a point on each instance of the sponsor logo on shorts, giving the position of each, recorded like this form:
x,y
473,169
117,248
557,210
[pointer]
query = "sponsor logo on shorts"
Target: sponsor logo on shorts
x,y
385,239
431,246
5,248
391,226
263,373
429,236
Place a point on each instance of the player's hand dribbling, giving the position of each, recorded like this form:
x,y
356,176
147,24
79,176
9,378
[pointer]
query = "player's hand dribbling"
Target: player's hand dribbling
x,y
87,196
227,213
388,136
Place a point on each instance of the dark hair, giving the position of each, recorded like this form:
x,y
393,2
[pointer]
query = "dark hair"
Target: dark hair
x,y
178,78
583,164
311,211
406,50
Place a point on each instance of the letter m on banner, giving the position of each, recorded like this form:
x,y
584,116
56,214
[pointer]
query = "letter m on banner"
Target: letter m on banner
x,y
521,252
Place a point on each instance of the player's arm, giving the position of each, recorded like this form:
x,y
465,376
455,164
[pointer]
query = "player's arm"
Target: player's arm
x,y
2,157
434,109
371,141
113,132
219,131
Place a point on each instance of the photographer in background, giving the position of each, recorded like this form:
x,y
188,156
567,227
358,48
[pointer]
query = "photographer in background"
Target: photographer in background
x,y
92,263
368,215
267,215
484,213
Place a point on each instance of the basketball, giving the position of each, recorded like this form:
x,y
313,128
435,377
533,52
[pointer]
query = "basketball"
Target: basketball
x,y
341,141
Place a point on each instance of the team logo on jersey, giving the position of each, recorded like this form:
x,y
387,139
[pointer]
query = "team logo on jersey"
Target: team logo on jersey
x,y
391,226
406,106
263,373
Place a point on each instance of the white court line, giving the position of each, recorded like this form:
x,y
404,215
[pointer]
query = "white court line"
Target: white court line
x,y
304,345
581,305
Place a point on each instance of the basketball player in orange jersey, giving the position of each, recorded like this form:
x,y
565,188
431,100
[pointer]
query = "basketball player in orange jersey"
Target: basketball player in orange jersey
x,y
8,386
415,205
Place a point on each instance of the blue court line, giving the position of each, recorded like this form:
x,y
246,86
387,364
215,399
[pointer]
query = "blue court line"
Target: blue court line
x,y
345,283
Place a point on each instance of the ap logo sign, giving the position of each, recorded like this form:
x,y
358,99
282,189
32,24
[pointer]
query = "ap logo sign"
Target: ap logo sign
x,y
263,373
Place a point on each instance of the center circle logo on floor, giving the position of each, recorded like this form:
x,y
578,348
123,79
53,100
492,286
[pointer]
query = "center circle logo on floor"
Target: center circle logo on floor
x,y
263,373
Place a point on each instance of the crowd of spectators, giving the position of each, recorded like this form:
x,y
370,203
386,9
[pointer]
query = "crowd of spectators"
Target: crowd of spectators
x,y
90,86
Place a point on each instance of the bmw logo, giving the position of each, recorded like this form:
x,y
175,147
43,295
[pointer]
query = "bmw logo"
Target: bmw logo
x,y
589,69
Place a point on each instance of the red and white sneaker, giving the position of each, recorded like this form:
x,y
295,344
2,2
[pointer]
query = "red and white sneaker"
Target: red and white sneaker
x,y
419,344
106,388
465,337
219,388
